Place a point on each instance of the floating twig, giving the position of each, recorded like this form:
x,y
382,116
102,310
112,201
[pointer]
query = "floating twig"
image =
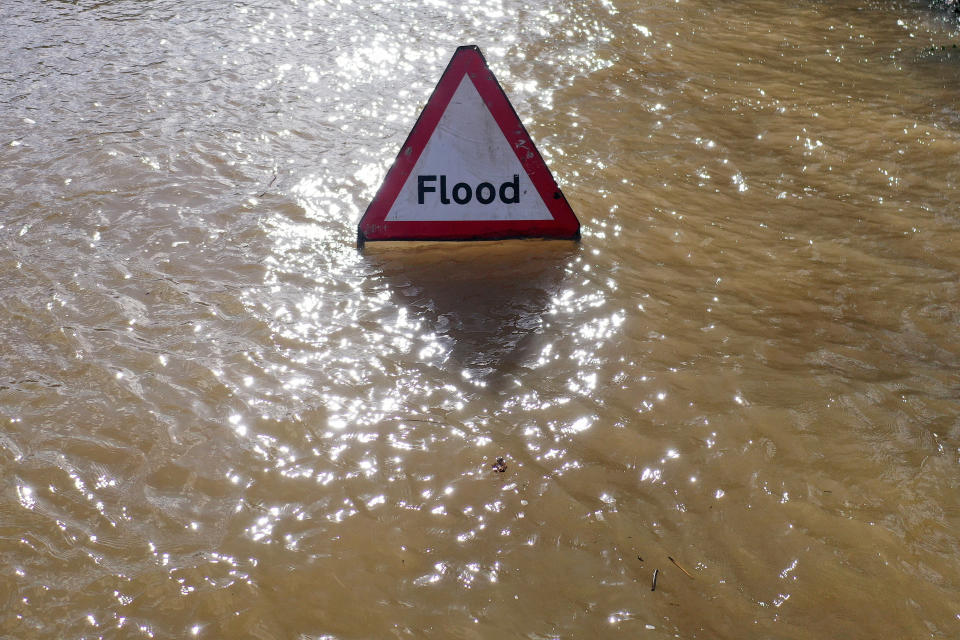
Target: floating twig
x,y
687,573
268,186
656,572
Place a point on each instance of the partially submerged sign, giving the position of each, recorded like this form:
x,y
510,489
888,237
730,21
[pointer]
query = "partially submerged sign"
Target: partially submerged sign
x,y
468,170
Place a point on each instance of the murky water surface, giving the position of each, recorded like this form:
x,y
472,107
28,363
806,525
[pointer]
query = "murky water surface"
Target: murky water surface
x,y
218,419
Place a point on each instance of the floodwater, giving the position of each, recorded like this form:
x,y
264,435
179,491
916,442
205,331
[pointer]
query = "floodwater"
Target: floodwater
x,y
218,419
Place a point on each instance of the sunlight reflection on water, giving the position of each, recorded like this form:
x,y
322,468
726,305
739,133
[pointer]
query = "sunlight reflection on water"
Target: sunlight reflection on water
x,y
219,419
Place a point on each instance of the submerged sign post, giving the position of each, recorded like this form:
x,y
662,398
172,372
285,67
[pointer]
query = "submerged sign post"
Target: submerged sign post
x,y
468,170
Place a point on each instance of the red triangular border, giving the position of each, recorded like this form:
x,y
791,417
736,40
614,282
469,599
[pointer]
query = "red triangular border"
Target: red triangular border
x,y
468,60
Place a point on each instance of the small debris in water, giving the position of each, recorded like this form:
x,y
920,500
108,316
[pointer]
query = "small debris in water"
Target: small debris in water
x,y
687,573
274,179
500,465
656,572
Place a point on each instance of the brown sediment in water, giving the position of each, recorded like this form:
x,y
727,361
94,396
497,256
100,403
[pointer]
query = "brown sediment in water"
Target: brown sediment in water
x,y
218,419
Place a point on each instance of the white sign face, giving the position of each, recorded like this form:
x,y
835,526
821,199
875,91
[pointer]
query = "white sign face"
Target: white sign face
x,y
468,171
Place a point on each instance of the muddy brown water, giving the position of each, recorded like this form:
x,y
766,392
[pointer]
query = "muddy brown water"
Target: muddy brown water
x,y
219,420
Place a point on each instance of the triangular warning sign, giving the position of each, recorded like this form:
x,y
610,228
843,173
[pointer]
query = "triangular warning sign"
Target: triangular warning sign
x,y
468,170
